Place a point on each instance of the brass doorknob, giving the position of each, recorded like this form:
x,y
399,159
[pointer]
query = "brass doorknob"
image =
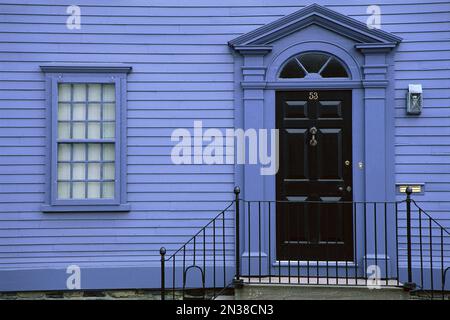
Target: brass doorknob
x,y
341,189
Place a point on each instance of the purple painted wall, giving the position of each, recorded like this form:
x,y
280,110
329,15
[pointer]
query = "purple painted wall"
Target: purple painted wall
x,y
183,70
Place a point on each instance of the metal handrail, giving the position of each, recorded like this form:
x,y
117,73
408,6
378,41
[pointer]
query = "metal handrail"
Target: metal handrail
x,y
412,282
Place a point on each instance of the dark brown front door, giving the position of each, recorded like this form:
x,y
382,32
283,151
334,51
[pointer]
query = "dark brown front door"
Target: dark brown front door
x,y
314,181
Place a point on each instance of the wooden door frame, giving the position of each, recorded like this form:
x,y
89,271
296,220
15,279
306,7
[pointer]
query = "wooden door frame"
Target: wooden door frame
x,y
281,96
256,80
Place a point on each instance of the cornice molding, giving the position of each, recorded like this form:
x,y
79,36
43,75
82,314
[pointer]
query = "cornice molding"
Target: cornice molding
x,y
85,68
313,14
253,50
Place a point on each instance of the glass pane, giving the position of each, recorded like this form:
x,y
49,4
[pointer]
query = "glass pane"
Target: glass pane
x,y
63,152
79,172
94,171
109,93
64,92
292,70
79,130
64,112
95,92
108,130
63,190
94,130
79,152
108,171
64,171
108,190
313,61
108,152
63,130
93,190
79,111
79,92
109,112
94,112
94,150
334,69
79,191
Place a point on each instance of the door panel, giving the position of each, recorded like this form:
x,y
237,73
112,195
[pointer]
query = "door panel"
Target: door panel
x,y
314,181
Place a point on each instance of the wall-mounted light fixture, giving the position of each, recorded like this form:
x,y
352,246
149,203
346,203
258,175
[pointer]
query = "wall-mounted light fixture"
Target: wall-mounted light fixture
x,y
414,100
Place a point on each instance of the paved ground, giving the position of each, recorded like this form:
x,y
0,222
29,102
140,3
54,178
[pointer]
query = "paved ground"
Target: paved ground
x,y
248,292
83,295
283,292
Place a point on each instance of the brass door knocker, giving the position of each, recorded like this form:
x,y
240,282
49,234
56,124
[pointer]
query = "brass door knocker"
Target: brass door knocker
x,y
313,141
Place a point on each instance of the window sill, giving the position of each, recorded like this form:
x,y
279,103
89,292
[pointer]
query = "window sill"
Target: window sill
x,y
86,208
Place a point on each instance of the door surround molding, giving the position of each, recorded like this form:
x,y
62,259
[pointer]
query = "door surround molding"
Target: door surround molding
x,y
368,55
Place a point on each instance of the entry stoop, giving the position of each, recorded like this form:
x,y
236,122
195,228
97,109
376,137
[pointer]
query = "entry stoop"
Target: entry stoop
x,y
291,292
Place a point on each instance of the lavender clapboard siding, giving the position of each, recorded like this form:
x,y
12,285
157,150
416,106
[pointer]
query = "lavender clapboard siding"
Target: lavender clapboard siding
x,y
183,71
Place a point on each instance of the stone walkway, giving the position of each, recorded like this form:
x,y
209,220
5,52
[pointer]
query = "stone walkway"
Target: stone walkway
x,y
83,295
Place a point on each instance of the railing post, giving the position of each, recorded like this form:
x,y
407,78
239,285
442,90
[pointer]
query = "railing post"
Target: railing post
x,y
410,285
237,282
162,252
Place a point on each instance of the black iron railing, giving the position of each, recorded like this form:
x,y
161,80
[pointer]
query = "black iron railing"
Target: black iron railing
x,y
202,268
312,242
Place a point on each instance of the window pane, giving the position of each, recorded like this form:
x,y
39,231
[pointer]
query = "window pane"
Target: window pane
x,y
313,61
63,171
109,112
63,152
334,69
94,152
108,130
108,152
79,92
94,112
292,70
79,191
64,92
93,190
94,171
108,171
79,172
109,93
79,130
86,111
94,92
64,112
63,190
108,190
94,130
79,111
79,152
63,130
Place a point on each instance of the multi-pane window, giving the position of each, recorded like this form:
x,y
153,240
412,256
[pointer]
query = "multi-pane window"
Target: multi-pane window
x,y
86,137
313,65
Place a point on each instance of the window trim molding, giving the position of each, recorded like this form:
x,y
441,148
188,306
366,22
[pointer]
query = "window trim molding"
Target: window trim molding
x,y
55,74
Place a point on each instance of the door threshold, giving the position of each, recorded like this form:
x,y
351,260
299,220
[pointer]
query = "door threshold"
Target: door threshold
x,y
314,263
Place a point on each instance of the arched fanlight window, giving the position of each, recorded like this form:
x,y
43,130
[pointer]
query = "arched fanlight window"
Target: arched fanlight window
x,y
313,65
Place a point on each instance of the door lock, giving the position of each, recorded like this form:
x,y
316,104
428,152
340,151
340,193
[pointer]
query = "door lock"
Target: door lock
x,y
347,162
313,141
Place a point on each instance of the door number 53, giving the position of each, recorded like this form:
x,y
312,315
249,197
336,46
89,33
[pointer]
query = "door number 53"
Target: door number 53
x,y
313,95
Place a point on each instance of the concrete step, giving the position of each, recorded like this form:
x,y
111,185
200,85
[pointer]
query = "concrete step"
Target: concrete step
x,y
318,292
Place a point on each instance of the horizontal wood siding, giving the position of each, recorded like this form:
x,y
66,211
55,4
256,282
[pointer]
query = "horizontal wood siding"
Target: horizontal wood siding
x,y
182,71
